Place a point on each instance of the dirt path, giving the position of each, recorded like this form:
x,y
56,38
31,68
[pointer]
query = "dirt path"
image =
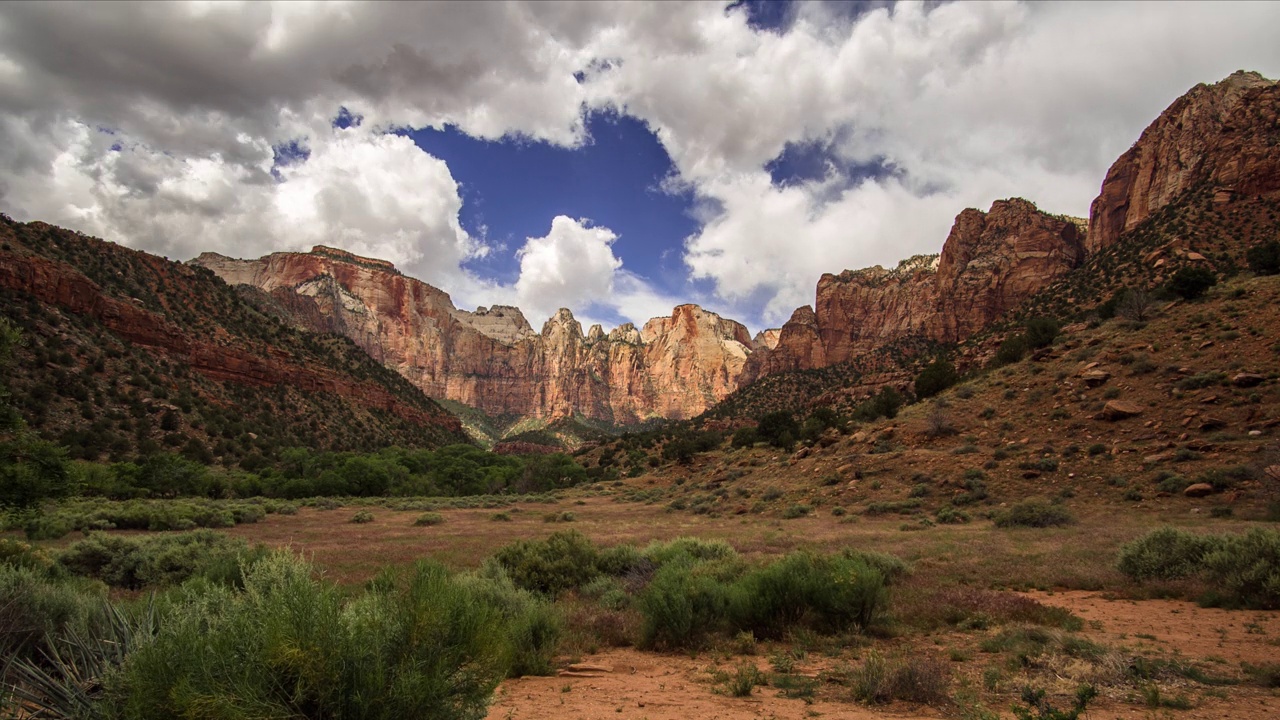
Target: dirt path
x,y
1176,627
649,686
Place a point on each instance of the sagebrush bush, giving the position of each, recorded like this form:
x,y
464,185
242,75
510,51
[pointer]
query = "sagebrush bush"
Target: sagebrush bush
x,y
432,518
288,646
563,561
1240,570
135,562
825,593
1034,513
683,605
689,548
1164,554
921,679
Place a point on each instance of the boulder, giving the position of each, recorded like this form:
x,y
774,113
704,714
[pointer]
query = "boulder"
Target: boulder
x,y
1119,410
1245,380
1095,378
1198,490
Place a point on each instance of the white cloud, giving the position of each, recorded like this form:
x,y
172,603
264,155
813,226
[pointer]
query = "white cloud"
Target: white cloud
x,y
571,266
968,102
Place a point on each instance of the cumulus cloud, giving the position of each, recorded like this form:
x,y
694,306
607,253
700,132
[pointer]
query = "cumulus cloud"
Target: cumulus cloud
x,y
155,124
967,102
572,266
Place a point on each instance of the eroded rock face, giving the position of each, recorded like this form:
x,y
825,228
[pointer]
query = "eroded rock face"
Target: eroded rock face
x,y
492,358
991,262
1225,135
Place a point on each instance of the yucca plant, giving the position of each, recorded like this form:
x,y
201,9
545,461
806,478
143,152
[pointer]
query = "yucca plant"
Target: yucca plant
x,y
67,680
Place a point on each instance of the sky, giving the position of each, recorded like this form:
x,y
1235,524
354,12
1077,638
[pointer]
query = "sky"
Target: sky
x,y
615,158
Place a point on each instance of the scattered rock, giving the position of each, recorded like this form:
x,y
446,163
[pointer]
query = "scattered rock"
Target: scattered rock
x,y
1206,344
1159,457
1248,379
1198,490
1095,378
1209,422
800,454
1119,410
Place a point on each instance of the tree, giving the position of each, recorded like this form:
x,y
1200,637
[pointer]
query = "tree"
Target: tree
x,y
1264,259
1190,283
938,376
775,425
1041,332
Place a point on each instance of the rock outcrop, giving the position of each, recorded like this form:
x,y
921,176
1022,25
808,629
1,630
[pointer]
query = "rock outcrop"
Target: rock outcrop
x,y
991,262
492,359
1225,136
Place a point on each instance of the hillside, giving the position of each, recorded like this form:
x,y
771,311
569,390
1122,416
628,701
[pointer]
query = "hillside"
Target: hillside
x,y
1199,188
125,353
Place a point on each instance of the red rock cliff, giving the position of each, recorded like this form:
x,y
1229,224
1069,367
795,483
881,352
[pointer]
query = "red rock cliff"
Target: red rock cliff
x,y
492,359
990,263
1225,135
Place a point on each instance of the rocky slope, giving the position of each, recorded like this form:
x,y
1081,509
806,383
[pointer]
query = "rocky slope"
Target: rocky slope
x,y
1218,143
492,359
125,352
1226,136
991,262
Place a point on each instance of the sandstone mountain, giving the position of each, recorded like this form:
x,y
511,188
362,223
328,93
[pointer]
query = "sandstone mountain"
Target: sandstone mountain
x,y
1225,136
125,352
492,359
1219,139
991,263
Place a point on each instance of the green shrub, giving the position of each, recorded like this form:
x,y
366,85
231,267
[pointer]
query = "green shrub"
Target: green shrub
x,y
891,567
1241,570
884,404
948,515
362,516
682,606
37,607
1190,283
288,646
745,437
1164,554
1034,513
825,593
920,679
1038,708
563,561
533,625
936,377
689,549
1040,332
1012,350
1264,258
135,562
797,510
779,429
434,518
744,680
1244,570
